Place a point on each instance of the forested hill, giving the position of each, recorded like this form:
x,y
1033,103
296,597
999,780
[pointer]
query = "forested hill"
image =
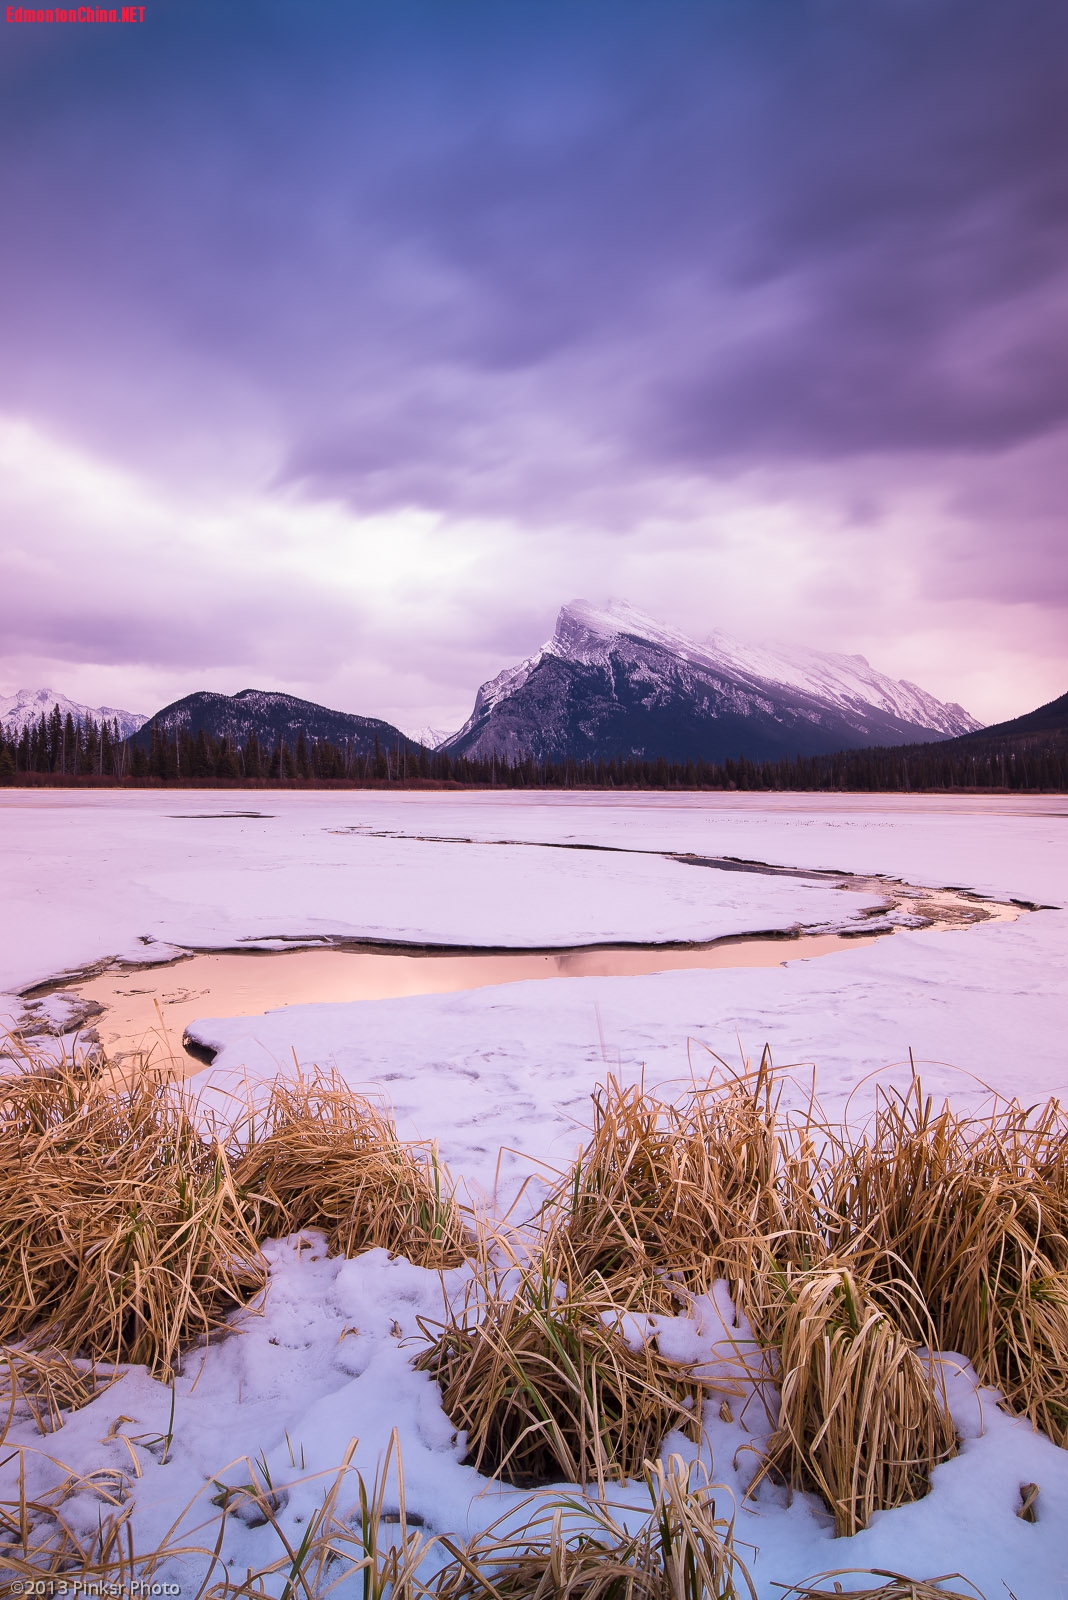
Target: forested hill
x,y
271,720
1028,752
1048,722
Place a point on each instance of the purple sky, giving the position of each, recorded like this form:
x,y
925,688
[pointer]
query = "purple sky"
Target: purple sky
x,y
342,340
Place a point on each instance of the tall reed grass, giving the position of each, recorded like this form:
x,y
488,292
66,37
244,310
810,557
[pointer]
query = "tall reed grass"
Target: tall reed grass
x,y
129,1228
129,1224
123,1237
318,1155
720,1185
549,1382
577,1549
975,1210
863,1415
683,1193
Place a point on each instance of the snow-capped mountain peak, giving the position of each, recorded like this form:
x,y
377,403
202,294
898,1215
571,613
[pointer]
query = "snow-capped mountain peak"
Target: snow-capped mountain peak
x,y
614,680
430,738
587,633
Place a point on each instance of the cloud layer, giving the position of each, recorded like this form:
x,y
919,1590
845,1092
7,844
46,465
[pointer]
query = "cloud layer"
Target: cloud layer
x,y
342,344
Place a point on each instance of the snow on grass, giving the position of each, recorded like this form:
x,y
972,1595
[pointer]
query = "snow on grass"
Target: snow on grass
x,y
328,1361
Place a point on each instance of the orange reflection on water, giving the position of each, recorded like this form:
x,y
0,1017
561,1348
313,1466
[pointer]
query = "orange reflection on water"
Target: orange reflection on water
x,y
247,985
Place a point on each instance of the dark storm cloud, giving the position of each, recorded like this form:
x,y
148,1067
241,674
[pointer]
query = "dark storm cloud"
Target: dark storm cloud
x,y
705,233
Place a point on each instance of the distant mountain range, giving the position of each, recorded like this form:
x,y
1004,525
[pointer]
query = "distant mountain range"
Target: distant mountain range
x,y
610,682
26,706
270,717
431,738
613,682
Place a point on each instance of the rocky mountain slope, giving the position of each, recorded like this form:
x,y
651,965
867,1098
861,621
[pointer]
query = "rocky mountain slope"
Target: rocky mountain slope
x,y
613,682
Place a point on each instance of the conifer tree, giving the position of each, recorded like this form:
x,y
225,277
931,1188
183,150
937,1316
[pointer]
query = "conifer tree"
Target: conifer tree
x,y
55,738
89,755
202,764
68,748
225,765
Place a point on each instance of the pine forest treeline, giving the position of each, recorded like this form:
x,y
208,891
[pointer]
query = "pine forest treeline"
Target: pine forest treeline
x,y
58,749
59,746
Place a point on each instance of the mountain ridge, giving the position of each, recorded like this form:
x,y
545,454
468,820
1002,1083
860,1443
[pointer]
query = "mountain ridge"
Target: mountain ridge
x,y
26,706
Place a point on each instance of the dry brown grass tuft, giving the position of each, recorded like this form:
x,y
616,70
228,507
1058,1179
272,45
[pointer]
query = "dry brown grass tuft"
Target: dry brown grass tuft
x,y
550,1381
45,1383
975,1209
346,1547
683,1552
548,1563
685,1192
362,1540
37,1543
123,1236
863,1418
321,1156
895,1588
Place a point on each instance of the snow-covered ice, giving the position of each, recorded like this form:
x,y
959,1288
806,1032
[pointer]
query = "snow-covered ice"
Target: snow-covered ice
x,y
87,877
120,875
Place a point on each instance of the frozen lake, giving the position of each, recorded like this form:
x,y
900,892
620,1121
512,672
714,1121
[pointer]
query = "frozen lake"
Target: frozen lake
x,y
96,878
